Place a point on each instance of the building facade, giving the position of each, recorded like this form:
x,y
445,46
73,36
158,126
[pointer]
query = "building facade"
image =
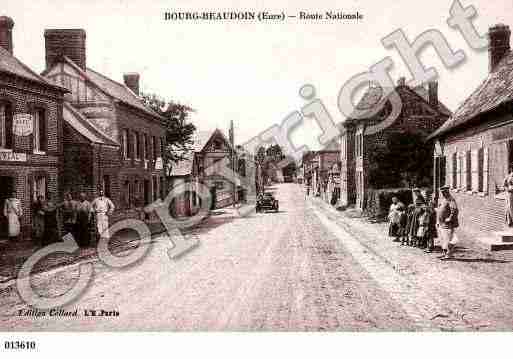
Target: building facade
x,y
473,150
361,168
211,151
31,132
112,140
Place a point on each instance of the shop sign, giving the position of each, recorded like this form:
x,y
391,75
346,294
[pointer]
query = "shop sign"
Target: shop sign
x,y
8,156
23,124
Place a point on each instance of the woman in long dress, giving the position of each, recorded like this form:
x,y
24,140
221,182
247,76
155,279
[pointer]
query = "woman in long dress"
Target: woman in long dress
x,y
508,187
51,232
13,212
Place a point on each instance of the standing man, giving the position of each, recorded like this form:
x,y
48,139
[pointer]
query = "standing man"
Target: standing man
x,y
102,207
447,218
69,214
84,210
13,212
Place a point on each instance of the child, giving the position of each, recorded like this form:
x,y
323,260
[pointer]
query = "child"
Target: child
x,y
423,227
401,227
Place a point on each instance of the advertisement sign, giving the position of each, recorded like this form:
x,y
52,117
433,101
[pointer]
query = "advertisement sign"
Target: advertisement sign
x,y
23,124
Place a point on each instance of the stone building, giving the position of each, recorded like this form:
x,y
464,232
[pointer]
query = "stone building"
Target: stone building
x,y
31,132
112,140
421,114
474,148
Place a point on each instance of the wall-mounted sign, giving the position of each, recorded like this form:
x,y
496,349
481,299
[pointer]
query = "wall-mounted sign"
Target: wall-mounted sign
x,y
13,157
23,124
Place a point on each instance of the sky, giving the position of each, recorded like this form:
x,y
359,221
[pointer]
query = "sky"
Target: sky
x,y
251,73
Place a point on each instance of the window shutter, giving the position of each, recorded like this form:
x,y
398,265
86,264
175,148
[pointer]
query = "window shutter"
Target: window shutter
x,y
458,170
474,164
449,178
123,144
485,170
42,130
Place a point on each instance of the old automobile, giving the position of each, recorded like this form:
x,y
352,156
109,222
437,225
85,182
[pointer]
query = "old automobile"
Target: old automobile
x,y
266,202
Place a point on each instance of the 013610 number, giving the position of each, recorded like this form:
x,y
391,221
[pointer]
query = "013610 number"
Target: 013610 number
x,y
20,345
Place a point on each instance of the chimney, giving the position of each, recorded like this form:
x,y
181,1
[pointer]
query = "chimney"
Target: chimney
x,y
401,81
499,46
6,25
132,82
65,42
433,93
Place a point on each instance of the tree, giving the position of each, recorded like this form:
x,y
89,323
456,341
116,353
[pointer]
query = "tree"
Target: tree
x,y
178,131
403,161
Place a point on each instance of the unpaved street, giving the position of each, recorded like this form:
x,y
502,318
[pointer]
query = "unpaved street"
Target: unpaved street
x,y
303,268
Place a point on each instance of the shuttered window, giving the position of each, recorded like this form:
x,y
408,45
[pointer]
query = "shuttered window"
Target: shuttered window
x,y
6,135
39,133
453,165
475,171
485,170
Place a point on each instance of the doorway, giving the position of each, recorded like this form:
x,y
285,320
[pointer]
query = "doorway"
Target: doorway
x,y
146,192
213,198
6,188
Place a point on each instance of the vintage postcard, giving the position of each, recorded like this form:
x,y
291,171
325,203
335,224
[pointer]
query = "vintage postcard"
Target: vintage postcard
x,y
188,166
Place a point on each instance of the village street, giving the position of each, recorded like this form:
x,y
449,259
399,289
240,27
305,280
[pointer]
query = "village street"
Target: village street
x,y
307,267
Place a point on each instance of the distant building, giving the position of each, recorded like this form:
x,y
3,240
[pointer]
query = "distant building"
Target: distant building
x,y
316,168
210,149
112,141
474,148
421,114
31,133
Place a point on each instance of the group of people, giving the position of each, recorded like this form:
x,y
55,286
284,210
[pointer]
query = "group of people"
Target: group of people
x,y
421,222
80,218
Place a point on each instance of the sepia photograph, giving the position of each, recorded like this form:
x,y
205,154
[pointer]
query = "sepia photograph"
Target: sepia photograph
x,y
287,168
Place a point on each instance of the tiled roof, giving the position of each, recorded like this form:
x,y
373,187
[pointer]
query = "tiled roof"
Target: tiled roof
x,y
495,90
76,120
373,95
119,91
201,139
11,64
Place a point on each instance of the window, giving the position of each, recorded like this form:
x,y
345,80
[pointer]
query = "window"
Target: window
x,y
126,193
468,171
155,188
454,170
39,130
39,187
6,117
145,146
124,143
137,145
130,149
154,145
106,185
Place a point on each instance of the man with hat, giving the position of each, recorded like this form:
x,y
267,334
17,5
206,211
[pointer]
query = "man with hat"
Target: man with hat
x,y
447,221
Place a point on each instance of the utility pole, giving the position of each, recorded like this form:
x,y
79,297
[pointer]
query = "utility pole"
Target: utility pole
x,y
233,160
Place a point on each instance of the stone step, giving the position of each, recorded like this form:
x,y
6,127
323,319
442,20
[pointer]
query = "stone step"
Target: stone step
x,y
494,243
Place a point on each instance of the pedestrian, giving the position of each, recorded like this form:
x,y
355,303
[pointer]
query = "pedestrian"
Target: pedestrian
x,y
409,220
393,218
508,187
102,208
431,225
401,230
38,218
419,202
69,215
13,212
447,222
51,233
84,210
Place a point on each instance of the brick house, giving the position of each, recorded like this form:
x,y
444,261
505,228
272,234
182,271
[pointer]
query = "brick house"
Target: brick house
x,y
112,140
31,153
209,148
474,148
421,114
